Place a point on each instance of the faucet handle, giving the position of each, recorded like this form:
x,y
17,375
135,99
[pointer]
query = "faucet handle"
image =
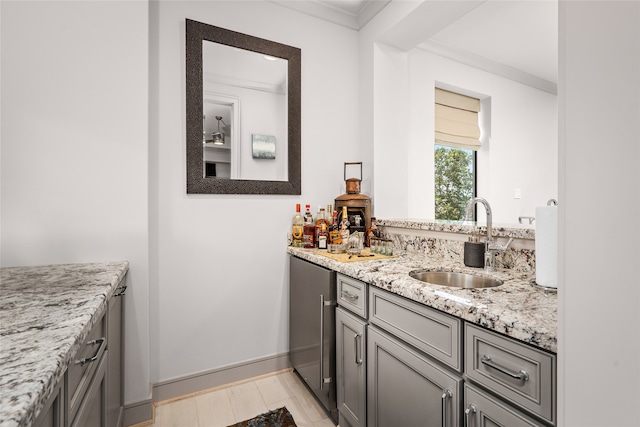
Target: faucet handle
x,y
495,247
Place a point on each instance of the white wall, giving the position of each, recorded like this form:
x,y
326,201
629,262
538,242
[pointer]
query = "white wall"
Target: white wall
x,y
399,82
219,285
599,168
74,147
519,150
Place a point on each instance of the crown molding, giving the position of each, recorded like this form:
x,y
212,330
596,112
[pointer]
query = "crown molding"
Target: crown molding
x,y
328,12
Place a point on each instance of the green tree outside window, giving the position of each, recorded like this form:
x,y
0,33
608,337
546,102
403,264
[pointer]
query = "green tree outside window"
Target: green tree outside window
x,y
454,182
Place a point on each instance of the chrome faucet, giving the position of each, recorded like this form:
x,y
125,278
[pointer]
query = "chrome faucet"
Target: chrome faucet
x,y
490,248
469,212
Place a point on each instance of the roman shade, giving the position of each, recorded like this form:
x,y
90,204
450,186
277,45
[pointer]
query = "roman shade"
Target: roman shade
x,y
456,120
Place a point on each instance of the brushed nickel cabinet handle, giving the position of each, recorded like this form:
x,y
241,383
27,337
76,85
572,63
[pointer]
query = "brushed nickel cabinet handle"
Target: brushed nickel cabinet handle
x,y
355,347
446,394
522,375
348,295
321,342
102,342
467,413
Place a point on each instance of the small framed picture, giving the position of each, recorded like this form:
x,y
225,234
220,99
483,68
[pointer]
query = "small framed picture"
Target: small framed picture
x,y
264,146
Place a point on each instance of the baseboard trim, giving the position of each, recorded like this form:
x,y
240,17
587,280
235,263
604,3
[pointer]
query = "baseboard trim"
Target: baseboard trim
x,y
141,413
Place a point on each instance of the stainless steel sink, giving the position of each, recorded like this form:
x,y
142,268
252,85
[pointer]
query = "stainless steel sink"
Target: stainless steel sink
x,y
455,280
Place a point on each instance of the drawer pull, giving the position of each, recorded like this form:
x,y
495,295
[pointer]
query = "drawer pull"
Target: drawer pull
x,y
467,414
522,375
121,291
446,394
102,341
348,295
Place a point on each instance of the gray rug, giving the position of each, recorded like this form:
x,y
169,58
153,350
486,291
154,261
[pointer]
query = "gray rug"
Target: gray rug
x,y
277,418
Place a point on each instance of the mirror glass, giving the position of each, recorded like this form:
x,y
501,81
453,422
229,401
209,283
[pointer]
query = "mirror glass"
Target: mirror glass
x,y
243,113
248,92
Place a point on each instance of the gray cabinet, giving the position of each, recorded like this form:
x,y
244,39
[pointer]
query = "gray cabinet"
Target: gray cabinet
x,y
90,394
402,363
430,331
53,414
115,359
517,373
351,369
82,368
405,388
93,409
483,410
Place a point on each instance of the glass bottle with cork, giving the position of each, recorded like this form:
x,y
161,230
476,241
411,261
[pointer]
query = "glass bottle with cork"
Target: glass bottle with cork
x,y
334,232
309,229
297,228
372,232
344,225
320,221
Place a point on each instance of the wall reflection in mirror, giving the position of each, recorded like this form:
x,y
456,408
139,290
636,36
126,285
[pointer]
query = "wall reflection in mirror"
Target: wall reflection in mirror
x,y
248,92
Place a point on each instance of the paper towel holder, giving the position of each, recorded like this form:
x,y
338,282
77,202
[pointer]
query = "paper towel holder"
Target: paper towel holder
x,y
546,289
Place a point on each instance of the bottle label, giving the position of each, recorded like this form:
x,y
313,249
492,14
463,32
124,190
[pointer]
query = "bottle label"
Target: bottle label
x,y
297,231
335,237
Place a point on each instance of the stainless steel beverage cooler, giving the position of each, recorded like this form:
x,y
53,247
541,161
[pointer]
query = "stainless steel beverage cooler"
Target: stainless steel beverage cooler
x,y
312,330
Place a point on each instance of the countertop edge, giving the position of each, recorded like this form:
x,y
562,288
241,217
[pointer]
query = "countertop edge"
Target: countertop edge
x,y
28,415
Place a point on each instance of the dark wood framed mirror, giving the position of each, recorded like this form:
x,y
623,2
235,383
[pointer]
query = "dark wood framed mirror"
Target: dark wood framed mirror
x,y
201,176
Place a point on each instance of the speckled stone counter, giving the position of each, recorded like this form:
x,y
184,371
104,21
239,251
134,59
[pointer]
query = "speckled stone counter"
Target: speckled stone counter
x,y
516,231
46,312
516,308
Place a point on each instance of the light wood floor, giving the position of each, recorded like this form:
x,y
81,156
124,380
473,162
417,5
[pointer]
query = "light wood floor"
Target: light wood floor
x,y
233,403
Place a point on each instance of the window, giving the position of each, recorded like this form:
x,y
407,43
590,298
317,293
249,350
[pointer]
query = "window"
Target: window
x,y
457,137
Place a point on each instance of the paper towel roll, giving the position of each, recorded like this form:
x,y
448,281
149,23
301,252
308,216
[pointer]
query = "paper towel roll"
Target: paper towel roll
x,y
547,246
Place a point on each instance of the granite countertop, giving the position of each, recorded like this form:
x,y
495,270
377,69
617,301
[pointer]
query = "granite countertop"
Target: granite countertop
x,y
517,231
46,313
516,308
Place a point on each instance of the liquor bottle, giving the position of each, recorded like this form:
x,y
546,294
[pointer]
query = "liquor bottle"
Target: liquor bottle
x,y
320,220
322,236
344,225
307,215
297,228
372,232
309,230
334,230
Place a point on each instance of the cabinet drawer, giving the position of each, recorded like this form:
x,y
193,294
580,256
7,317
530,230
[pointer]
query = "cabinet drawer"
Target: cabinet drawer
x,y
517,372
82,367
437,334
481,410
352,295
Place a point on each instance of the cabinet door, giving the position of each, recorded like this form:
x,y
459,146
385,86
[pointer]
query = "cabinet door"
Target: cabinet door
x,y
53,413
351,369
405,388
93,409
115,354
482,410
